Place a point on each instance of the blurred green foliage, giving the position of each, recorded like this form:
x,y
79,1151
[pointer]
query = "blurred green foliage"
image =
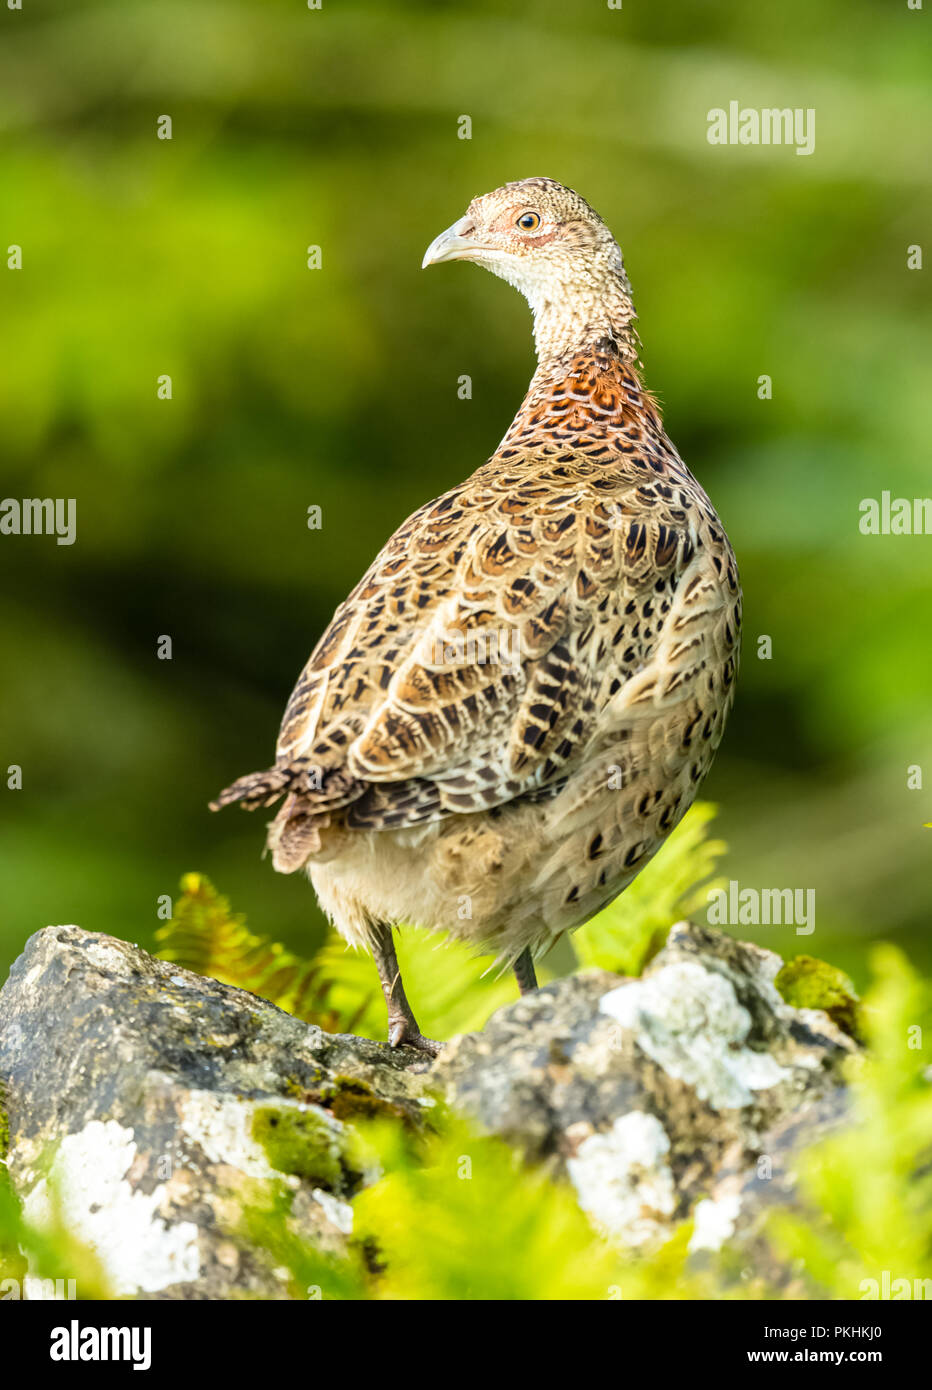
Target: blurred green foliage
x,y
486,1228
338,387
867,1218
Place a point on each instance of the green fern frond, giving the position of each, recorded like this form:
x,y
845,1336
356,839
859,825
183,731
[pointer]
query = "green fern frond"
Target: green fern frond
x,y
451,987
676,883
455,991
336,988
206,936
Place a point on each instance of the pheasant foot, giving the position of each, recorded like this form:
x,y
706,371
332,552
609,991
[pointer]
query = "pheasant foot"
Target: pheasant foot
x,y
403,1030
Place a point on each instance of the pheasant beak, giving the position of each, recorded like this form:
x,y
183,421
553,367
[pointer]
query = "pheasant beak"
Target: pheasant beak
x,y
457,243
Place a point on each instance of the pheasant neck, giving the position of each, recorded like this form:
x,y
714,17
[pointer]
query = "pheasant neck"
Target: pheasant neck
x,y
600,317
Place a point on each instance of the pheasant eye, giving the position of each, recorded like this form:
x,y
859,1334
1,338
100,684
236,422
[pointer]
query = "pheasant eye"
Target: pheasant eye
x,y
528,221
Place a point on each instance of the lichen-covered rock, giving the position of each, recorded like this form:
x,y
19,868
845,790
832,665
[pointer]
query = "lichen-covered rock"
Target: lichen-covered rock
x,y
165,1101
650,1092
747,1187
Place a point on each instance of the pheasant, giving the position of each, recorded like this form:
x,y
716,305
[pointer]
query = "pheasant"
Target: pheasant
x,y
518,701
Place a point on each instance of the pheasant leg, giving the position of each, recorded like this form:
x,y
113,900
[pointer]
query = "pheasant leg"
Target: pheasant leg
x,y
524,972
402,1025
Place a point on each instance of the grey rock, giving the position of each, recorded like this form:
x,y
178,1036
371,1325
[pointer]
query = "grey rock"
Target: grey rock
x,y
169,1101
649,1092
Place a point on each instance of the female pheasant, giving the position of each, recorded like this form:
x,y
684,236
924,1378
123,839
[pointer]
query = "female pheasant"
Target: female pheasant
x,y
518,701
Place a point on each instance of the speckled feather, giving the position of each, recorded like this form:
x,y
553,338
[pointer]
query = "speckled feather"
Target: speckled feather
x,y
518,701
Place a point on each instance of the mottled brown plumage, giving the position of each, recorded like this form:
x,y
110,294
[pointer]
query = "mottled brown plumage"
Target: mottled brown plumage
x,y
518,701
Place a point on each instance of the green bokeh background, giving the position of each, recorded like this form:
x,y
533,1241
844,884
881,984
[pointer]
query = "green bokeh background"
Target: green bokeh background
x,y
338,387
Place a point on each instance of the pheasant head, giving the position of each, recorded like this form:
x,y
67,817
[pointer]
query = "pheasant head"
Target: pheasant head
x,y
551,245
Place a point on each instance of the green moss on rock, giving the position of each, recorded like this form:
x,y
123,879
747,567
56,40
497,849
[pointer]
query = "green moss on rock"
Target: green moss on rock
x,y
808,983
301,1141
347,1098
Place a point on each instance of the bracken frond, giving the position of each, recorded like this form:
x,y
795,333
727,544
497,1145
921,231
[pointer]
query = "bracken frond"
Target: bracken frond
x,y
206,936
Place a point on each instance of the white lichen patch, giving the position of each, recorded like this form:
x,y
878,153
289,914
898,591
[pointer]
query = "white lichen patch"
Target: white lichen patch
x,y
221,1125
340,1214
106,955
714,1221
31,976
689,1021
88,1190
623,1179
769,965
